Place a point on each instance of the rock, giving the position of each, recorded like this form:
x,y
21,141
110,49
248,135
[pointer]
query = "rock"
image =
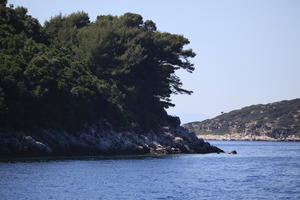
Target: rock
x,y
37,146
99,141
178,139
232,152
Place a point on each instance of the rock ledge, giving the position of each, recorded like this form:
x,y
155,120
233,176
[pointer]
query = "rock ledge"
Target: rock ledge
x,y
96,140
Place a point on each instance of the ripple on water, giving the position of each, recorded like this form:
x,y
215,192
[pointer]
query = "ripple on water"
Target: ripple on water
x,y
260,170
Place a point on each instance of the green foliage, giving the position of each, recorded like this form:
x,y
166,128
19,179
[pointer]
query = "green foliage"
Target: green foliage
x,y
3,2
72,72
65,28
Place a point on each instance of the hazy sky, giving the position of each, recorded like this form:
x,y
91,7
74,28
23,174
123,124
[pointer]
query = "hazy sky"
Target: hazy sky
x,y
248,51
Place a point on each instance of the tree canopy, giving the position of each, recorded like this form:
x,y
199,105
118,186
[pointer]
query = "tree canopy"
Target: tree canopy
x,y
72,72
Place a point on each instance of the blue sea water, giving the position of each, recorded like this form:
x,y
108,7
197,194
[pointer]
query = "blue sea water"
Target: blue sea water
x,y
260,170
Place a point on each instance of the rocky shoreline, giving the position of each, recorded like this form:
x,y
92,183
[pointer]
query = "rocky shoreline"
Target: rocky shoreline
x,y
278,121
97,140
239,137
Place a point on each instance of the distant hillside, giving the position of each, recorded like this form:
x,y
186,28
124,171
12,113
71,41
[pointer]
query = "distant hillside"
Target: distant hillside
x,y
274,121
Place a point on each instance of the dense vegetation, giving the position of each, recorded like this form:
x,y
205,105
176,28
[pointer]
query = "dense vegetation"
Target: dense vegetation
x,y
279,119
72,72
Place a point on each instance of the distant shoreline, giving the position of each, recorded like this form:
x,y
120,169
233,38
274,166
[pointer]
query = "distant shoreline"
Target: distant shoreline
x,y
278,121
236,137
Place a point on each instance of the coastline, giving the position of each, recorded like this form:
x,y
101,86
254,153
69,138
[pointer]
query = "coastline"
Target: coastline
x,y
238,137
98,141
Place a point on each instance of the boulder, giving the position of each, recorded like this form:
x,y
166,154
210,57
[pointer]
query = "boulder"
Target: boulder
x,y
232,152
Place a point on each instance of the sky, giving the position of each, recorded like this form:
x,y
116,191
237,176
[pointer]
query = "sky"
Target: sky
x,y
248,51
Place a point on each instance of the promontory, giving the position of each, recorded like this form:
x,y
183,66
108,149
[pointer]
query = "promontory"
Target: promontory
x,y
78,87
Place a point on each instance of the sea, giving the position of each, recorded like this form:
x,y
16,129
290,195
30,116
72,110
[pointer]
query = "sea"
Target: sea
x,y
259,170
